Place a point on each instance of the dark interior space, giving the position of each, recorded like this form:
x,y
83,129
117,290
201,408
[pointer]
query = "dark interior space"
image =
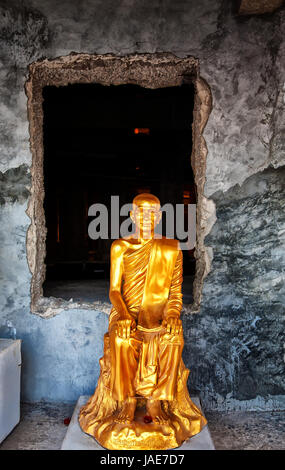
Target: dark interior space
x,y
101,141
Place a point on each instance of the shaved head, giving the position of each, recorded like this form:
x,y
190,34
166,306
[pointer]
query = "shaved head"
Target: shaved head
x,y
146,198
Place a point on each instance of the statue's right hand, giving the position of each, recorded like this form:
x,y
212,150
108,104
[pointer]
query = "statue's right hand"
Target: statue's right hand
x,y
123,328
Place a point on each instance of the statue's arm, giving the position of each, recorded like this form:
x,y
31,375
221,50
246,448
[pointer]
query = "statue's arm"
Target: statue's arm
x,y
116,274
174,305
172,320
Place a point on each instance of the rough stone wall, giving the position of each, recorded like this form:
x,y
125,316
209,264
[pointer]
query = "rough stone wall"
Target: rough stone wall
x,y
234,345
238,339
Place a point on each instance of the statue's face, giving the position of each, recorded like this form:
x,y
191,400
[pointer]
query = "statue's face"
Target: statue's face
x,y
146,215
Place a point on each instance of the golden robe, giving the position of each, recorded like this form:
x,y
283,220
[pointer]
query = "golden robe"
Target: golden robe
x,y
148,363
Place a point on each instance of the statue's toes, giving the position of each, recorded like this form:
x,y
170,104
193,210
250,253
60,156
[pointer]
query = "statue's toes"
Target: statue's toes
x,y
123,419
161,419
119,419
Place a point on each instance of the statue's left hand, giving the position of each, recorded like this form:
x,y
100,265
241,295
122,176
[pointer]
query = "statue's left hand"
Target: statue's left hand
x,y
124,327
173,325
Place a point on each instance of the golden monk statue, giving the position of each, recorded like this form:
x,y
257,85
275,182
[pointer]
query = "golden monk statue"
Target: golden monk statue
x,y
141,400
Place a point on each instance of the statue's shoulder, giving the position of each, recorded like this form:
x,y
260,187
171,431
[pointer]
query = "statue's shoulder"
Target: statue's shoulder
x,y
119,246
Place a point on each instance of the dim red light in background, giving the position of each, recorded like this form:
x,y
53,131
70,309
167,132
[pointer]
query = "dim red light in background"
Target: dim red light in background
x,y
186,197
141,130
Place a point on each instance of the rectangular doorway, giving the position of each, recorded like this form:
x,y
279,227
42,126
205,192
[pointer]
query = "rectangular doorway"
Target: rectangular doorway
x,y
101,141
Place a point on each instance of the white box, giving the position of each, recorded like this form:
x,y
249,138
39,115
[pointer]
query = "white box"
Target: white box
x,y
10,376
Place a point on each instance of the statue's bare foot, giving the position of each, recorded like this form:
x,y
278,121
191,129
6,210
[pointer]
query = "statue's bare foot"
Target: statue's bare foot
x,y
127,412
156,412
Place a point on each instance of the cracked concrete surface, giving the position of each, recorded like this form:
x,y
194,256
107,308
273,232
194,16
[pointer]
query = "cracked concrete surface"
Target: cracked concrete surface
x,y
42,428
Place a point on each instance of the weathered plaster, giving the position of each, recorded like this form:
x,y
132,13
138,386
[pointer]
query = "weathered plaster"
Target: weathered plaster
x,y
246,76
57,366
15,184
238,337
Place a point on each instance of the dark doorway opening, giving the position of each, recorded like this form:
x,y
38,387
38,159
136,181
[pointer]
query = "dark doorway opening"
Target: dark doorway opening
x,y
103,141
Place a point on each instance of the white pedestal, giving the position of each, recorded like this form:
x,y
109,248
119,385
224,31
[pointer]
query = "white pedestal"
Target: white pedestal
x,y
10,374
76,439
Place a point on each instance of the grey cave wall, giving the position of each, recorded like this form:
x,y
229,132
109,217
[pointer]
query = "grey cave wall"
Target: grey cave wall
x,y
234,346
239,344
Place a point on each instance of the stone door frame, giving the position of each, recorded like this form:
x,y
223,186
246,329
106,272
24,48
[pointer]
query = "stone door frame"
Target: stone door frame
x,y
146,70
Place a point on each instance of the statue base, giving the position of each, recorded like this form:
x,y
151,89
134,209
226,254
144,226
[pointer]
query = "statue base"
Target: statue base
x,y
139,435
128,437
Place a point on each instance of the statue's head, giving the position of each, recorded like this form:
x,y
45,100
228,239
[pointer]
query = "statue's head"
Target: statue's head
x,y
146,213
